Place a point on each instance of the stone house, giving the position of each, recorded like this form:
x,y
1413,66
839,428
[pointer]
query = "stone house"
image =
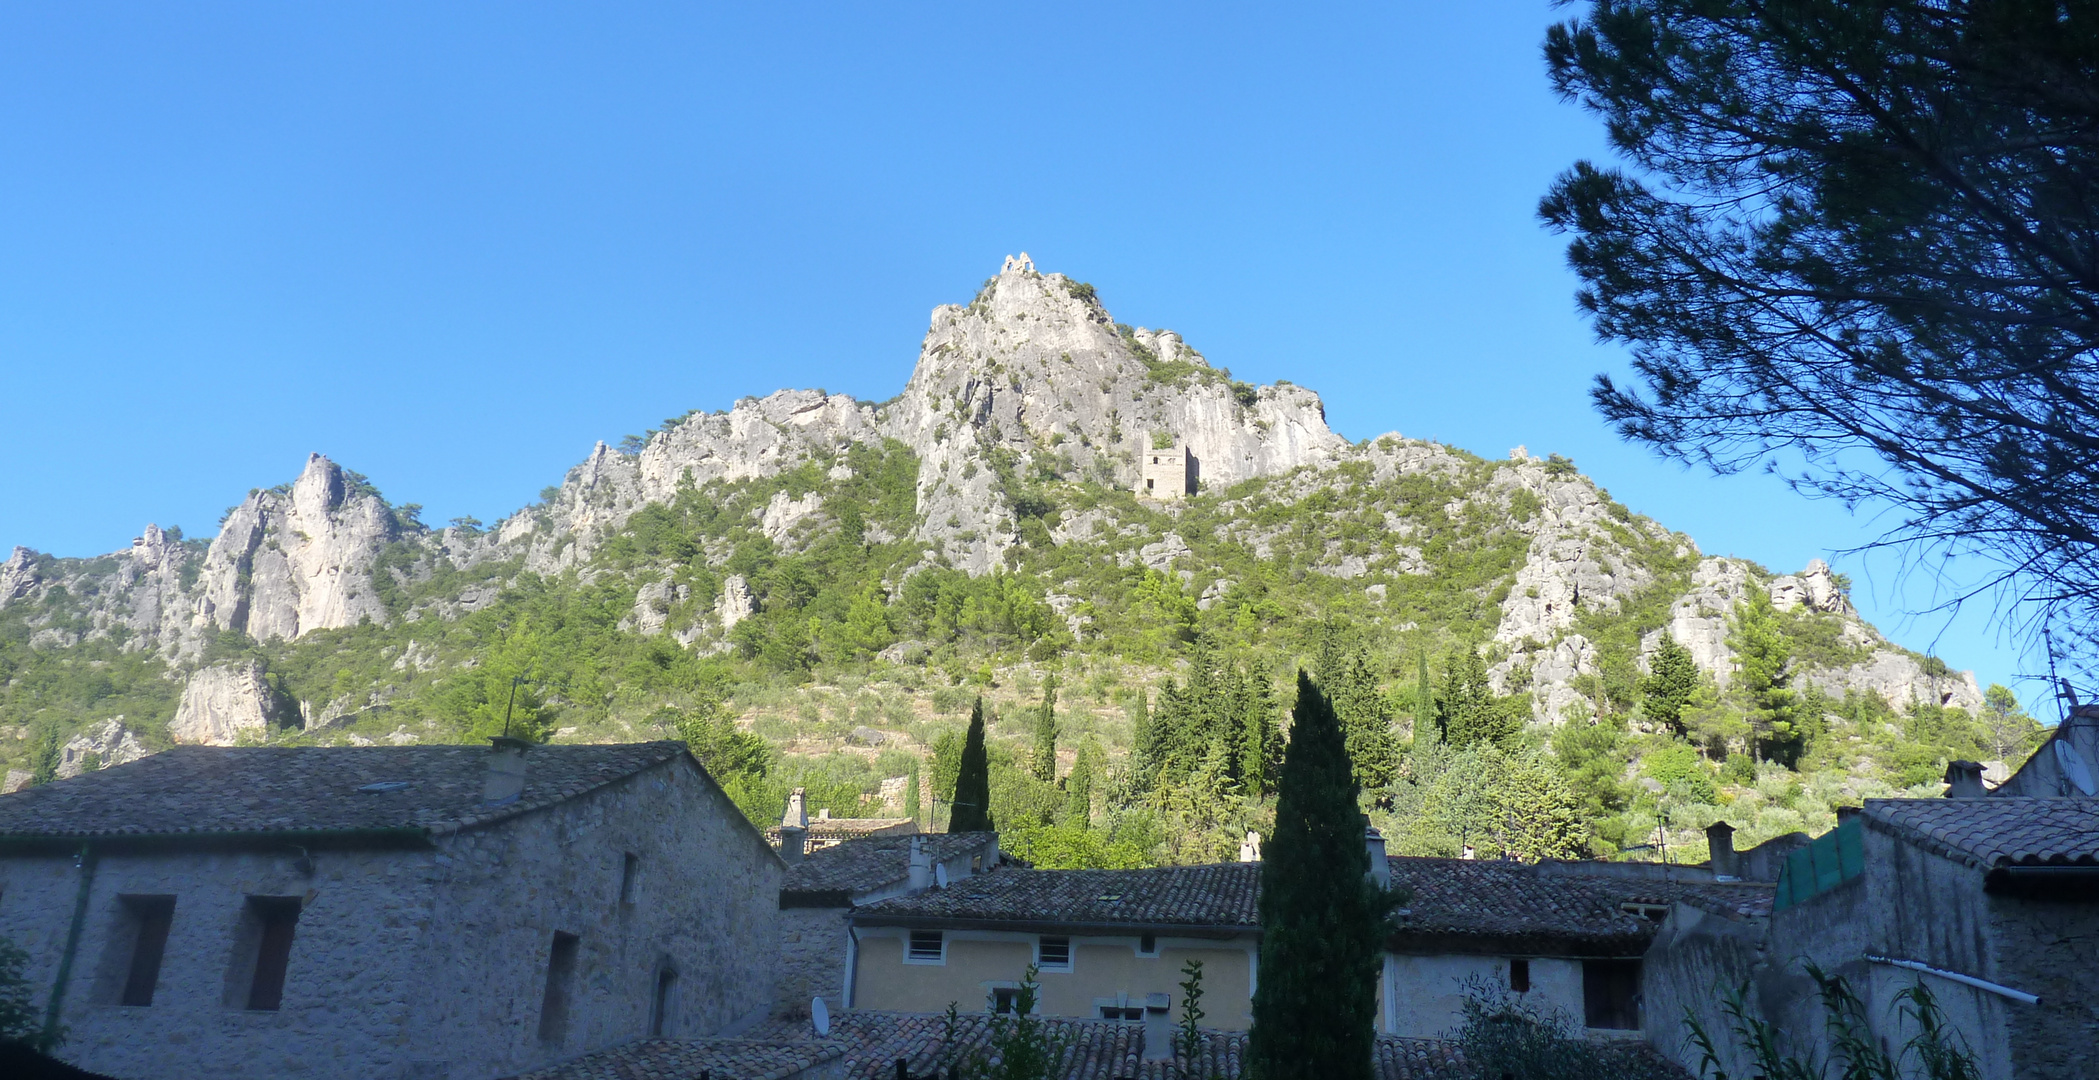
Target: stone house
x,y
421,911
825,885
1112,943
1991,903
2067,764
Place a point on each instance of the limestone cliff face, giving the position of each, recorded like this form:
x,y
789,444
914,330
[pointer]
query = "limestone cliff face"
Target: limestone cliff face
x,y
289,562
1034,366
224,704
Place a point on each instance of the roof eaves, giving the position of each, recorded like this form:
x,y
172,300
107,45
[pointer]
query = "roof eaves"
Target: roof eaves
x,y
493,814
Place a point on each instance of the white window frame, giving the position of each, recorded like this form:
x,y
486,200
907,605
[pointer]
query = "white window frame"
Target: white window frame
x,y
940,961
1062,968
1153,954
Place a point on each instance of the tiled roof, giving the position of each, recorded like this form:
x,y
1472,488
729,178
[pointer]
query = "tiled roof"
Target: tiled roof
x,y
687,1059
866,1045
199,791
1492,904
845,827
1219,895
873,861
1994,832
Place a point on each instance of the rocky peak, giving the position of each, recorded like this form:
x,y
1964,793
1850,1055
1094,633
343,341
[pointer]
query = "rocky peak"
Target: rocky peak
x,y
289,562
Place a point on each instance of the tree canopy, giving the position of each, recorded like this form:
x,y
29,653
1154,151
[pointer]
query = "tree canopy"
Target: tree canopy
x,y
1856,243
1320,913
972,802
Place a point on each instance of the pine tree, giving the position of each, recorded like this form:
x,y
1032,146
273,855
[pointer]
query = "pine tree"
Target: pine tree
x,y
1467,710
972,806
1320,914
1345,677
1674,678
1046,733
1761,655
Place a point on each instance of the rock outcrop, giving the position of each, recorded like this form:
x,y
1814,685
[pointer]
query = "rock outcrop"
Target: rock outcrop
x,y
224,705
290,562
99,747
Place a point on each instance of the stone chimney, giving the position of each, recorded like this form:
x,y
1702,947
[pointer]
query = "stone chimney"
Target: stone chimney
x,y
1374,842
504,780
1964,780
1158,1028
921,865
794,828
1720,840
1250,848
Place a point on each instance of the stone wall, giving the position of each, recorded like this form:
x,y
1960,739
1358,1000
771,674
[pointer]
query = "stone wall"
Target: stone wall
x,y
1422,997
1694,961
351,990
812,959
421,963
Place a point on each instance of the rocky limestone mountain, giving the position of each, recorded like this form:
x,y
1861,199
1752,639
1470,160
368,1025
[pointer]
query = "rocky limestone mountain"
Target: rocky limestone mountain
x,y
1031,387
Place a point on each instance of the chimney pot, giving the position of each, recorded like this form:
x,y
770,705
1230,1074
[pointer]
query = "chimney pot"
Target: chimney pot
x,y
1720,841
1374,843
1964,780
921,866
1158,1028
1250,848
504,780
794,828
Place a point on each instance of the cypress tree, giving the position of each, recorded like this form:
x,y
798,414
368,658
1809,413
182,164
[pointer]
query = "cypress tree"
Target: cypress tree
x,y
1046,733
1078,787
911,795
1321,916
1144,744
972,807
1425,701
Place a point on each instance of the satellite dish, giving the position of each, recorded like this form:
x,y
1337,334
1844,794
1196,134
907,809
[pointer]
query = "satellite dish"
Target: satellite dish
x,y
940,874
820,1015
2075,768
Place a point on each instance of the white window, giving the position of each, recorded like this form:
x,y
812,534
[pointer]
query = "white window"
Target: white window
x,y
927,947
1053,953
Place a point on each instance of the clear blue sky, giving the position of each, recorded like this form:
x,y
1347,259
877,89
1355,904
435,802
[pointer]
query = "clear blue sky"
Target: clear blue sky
x,y
452,245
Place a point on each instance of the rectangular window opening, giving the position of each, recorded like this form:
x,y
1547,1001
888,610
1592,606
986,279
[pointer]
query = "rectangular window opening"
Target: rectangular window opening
x,y
1053,953
660,1017
1148,945
1005,999
150,917
1611,994
277,917
561,982
927,947
629,863
1520,976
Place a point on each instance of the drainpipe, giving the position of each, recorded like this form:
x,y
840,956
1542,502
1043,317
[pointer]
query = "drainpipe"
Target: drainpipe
x,y
852,960
65,961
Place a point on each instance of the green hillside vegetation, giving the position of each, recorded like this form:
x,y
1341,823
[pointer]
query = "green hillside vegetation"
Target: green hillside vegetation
x,y
1160,740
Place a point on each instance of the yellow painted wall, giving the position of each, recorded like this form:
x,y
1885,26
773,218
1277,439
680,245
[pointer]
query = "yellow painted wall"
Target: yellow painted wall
x,y
1101,968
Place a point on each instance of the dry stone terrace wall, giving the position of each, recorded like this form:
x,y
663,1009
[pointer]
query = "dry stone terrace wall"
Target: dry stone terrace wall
x,y
425,963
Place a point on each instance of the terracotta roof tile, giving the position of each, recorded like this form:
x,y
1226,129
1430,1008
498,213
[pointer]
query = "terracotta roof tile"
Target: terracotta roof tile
x,y
866,1046
1219,895
1493,903
872,862
198,791
1998,831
